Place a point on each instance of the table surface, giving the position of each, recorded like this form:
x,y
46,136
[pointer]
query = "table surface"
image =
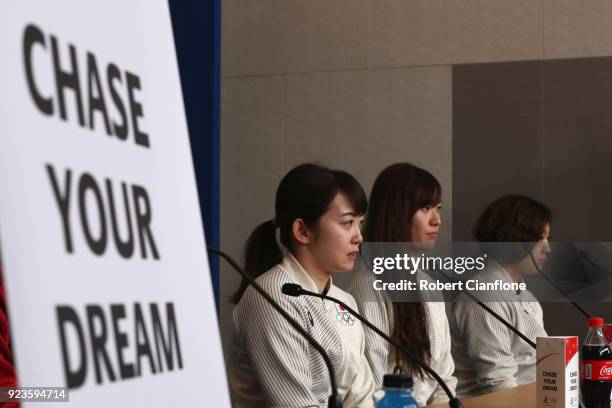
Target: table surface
x,y
523,396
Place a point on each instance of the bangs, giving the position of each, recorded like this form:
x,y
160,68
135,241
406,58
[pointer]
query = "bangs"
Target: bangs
x,y
429,191
399,191
350,187
512,218
540,216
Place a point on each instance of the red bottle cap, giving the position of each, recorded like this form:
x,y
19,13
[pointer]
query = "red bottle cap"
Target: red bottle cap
x,y
596,322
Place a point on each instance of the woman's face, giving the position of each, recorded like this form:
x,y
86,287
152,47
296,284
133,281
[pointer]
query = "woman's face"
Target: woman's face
x,y
426,224
540,252
337,236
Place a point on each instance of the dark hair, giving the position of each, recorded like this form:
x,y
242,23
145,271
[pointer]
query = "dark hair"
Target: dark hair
x,y
304,193
399,192
511,218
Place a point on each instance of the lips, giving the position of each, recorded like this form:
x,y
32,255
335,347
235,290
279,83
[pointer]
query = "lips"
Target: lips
x,y
353,255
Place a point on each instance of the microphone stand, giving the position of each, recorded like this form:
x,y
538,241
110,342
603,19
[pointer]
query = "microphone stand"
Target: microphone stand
x,y
334,399
492,313
295,290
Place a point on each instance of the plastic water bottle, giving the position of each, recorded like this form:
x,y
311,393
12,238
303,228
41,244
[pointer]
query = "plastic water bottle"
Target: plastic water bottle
x,y
397,392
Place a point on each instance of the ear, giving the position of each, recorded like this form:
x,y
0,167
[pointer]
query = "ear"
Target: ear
x,y
301,233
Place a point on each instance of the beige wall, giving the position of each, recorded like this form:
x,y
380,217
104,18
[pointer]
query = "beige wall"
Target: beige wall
x,y
359,84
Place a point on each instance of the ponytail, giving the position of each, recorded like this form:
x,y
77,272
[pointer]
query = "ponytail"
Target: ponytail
x,y
261,252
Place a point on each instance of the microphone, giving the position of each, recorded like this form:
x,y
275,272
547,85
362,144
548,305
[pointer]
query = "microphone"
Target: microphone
x,y
334,399
550,281
295,290
492,313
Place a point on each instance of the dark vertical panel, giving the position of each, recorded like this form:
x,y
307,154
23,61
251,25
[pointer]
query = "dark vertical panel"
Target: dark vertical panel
x,y
577,148
496,137
196,26
577,164
541,128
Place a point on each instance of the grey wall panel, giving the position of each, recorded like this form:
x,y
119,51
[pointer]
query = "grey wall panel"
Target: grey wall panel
x,y
431,32
252,157
278,36
577,28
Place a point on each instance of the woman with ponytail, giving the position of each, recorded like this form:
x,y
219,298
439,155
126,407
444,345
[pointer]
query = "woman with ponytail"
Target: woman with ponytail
x,y
315,232
405,207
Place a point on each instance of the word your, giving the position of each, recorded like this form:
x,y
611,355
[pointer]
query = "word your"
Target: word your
x,y
134,198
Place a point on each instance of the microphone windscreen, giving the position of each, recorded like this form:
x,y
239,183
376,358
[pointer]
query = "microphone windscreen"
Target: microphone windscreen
x,y
292,289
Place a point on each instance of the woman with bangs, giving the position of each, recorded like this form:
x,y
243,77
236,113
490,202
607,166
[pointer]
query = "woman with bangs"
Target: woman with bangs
x,y
513,231
315,231
405,206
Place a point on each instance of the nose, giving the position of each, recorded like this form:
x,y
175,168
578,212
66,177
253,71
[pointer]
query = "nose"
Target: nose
x,y
546,247
435,219
357,237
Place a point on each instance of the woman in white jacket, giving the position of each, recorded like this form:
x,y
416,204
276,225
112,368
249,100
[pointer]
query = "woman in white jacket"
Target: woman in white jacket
x,y
404,206
316,231
514,231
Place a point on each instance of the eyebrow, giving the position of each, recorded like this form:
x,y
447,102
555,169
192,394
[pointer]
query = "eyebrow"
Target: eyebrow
x,y
352,213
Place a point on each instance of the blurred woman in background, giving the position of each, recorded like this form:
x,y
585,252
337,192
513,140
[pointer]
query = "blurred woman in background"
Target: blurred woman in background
x,y
514,232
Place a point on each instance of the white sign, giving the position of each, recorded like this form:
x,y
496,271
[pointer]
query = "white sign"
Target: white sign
x,y
102,242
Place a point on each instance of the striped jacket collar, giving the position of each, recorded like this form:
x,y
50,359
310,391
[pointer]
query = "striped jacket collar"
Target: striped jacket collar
x,y
297,273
